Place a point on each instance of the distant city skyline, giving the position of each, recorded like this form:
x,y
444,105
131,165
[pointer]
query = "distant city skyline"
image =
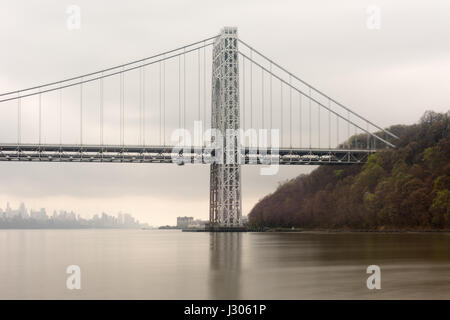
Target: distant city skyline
x,y
31,218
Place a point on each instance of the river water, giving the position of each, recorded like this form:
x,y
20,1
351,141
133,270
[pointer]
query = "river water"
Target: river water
x,y
170,264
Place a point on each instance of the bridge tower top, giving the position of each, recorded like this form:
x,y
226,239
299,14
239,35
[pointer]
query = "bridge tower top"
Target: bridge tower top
x,y
229,31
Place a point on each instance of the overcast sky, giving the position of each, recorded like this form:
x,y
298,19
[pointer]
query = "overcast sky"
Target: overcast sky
x,y
390,73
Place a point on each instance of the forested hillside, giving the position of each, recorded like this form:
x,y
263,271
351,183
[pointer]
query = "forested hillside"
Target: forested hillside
x,y
403,188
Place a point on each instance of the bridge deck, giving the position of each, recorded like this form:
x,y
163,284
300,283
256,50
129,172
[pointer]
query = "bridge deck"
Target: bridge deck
x,y
165,154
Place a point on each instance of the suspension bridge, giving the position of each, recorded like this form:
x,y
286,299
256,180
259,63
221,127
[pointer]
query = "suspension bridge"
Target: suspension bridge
x,y
241,108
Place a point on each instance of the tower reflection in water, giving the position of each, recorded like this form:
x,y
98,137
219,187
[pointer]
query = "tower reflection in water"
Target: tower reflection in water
x,y
225,252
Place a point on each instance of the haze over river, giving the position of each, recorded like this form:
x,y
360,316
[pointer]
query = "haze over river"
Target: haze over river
x,y
170,264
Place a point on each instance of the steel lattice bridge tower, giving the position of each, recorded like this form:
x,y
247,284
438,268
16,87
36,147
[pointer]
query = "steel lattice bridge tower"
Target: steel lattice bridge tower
x,y
225,182
259,114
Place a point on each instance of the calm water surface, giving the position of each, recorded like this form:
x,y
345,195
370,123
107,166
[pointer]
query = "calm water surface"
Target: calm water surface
x,y
169,264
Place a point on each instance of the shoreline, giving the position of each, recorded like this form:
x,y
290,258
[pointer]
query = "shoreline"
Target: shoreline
x,y
267,230
286,230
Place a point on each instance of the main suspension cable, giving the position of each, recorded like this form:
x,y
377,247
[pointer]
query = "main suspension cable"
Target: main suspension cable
x,y
318,102
109,69
104,76
314,88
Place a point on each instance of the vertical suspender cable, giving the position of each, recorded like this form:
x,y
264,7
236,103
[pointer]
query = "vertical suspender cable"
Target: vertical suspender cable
x,y
348,129
179,95
60,114
123,109
140,105
198,64
243,92
204,85
281,113
337,131
318,123
81,112
143,101
251,90
160,102
300,117
101,110
19,107
262,98
122,116
120,108
150,102
374,144
40,117
184,95
368,136
120,105
271,109
310,117
164,102
290,111
329,124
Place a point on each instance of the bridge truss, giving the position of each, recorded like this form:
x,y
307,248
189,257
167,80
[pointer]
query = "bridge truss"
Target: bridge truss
x,y
194,155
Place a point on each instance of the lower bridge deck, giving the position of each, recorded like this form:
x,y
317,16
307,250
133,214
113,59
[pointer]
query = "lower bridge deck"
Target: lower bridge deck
x,y
169,154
